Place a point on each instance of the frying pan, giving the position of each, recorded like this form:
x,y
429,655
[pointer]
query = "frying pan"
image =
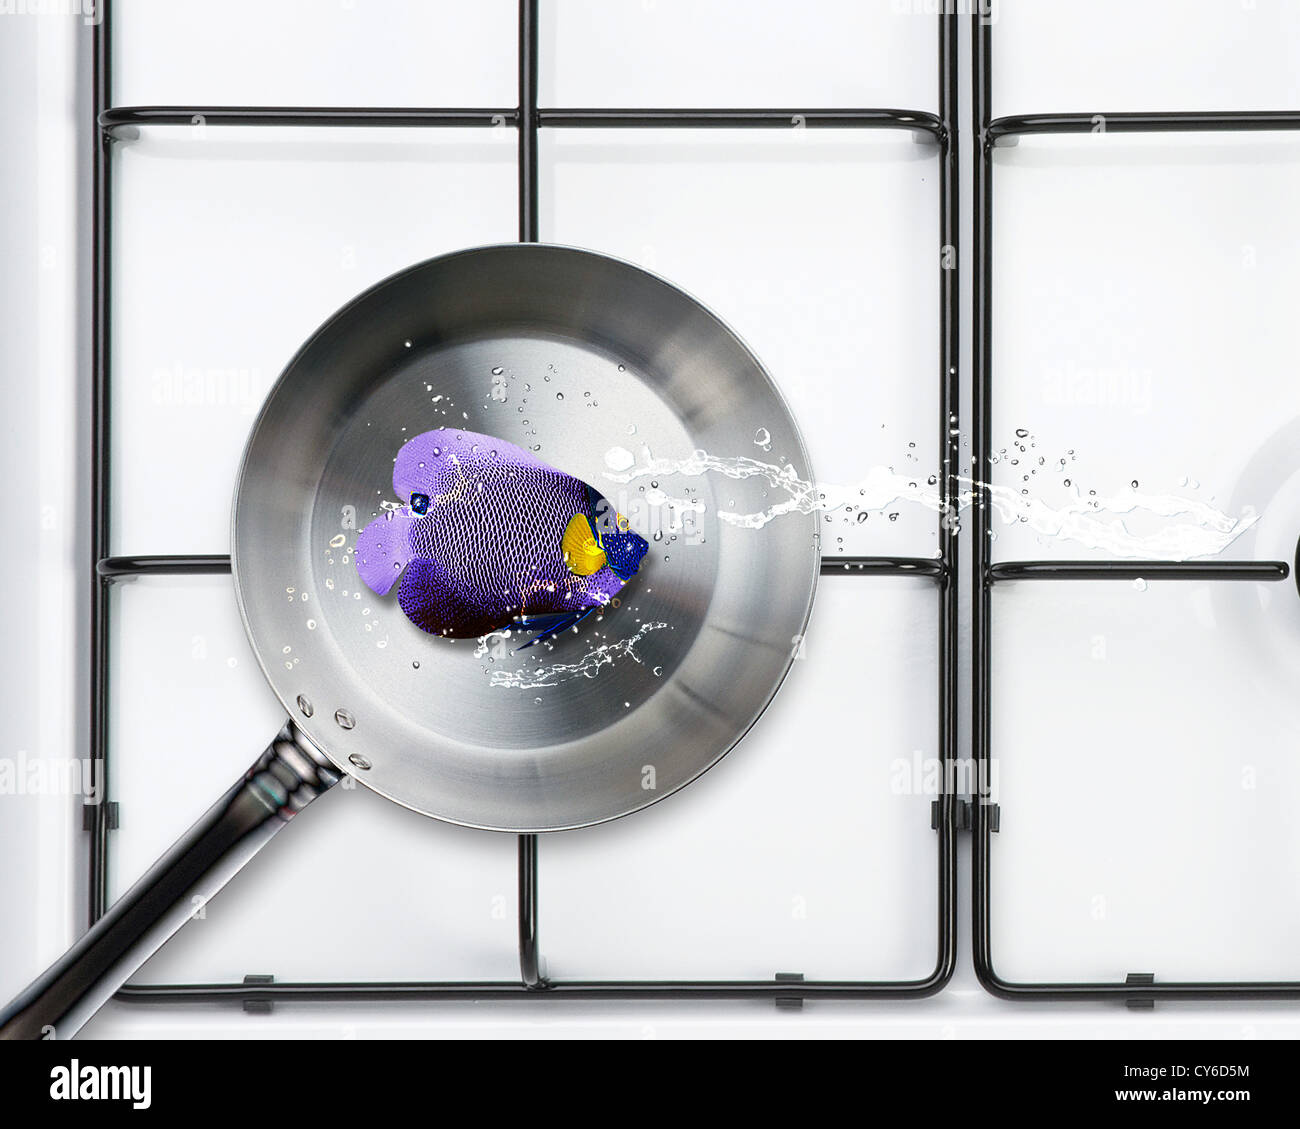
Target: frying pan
x,y
595,364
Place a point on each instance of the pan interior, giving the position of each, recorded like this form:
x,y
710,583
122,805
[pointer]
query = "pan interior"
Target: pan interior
x,y
603,371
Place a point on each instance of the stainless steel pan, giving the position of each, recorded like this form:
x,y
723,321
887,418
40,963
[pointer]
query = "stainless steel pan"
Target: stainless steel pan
x,y
579,355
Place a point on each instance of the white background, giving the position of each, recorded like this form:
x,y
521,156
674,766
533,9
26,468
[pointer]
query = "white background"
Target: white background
x,y
1121,781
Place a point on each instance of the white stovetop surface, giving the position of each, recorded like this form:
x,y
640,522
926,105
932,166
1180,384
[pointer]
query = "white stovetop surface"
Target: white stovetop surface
x,y
808,849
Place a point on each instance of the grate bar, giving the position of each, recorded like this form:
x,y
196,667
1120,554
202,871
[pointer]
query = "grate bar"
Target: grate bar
x,y
390,117
933,567
528,118
909,120
950,468
578,118
116,568
1003,129
1138,570
985,574
513,989
530,959
100,470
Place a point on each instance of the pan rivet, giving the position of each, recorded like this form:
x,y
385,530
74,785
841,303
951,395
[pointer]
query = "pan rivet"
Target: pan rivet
x,y
307,708
358,760
345,719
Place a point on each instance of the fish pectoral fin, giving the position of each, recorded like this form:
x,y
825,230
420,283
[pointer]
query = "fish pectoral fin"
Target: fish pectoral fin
x,y
529,622
582,554
383,550
551,625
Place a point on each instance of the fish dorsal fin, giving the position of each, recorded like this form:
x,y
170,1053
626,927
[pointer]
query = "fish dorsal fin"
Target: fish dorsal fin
x,y
581,553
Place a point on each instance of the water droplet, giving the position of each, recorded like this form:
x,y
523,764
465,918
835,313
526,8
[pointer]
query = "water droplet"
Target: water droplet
x,y
658,671
762,437
537,701
407,344
359,761
619,458
344,719
1021,433
622,368
863,517
1134,484
311,625
498,371
559,395
304,704
415,665
1140,584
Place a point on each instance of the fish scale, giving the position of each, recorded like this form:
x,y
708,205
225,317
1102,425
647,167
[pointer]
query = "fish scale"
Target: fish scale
x,y
488,548
528,507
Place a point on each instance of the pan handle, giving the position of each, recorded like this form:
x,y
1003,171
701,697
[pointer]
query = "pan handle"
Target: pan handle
x,y
285,779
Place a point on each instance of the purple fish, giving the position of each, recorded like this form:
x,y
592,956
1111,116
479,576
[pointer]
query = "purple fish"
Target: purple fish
x,y
488,536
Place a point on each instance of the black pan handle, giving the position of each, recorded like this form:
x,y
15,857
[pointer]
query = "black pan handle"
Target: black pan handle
x,y
285,779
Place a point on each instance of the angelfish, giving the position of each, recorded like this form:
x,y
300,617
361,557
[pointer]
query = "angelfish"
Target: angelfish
x,y
488,537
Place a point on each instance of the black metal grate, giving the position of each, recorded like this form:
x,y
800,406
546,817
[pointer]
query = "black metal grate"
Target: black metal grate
x,y
988,132
527,117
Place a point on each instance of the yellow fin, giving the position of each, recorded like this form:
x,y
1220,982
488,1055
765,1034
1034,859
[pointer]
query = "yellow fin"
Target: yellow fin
x,y
579,548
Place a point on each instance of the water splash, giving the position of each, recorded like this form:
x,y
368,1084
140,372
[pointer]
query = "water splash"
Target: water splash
x,y
589,666
1089,521
1191,528
880,489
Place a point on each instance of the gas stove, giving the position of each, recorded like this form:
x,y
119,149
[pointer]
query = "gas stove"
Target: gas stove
x,y
1114,745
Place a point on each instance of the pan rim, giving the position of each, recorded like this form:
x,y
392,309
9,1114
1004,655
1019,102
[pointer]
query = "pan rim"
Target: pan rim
x,y
337,759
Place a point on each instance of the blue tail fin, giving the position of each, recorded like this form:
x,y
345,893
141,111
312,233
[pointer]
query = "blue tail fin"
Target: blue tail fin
x,y
551,625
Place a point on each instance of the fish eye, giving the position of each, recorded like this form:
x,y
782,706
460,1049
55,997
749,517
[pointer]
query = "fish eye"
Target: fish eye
x,y
420,503
622,523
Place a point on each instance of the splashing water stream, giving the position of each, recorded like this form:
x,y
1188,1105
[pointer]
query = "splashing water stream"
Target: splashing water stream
x,y
588,666
1088,521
